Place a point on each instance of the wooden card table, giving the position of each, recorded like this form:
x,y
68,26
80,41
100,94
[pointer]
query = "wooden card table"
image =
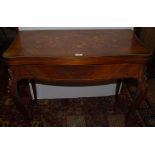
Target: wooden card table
x,y
77,58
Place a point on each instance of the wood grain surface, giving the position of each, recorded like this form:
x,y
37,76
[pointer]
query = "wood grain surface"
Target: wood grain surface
x,y
77,57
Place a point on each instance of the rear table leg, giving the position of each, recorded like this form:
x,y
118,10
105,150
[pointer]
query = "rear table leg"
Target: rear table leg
x,y
118,85
33,84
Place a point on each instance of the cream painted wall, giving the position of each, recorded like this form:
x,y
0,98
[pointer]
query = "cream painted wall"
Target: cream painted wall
x,y
50,92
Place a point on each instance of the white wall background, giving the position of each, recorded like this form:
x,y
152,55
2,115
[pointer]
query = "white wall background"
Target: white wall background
x,y
50,92
66,28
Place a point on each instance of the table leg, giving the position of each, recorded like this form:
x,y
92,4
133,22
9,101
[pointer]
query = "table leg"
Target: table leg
x,y
12,88
118,85
140,96
24,107
33,84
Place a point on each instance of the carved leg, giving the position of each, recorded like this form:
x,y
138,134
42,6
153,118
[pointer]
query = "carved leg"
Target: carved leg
x,y
14,94
118,84
12,88
26,99
33,84
140,96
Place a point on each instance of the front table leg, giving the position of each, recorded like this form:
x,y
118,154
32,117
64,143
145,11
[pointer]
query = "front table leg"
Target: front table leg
x,y
140,96
14,94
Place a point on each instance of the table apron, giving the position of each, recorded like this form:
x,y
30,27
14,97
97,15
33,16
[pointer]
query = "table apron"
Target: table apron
x,y
76,74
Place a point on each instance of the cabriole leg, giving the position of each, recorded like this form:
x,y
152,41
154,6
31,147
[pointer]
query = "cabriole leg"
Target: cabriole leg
x,y
139,98
13,91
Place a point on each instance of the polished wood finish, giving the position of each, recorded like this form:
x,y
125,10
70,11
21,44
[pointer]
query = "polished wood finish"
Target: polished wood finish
x,y
77,57
65,44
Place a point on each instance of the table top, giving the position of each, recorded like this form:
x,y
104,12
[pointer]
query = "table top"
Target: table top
x,y
75,43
